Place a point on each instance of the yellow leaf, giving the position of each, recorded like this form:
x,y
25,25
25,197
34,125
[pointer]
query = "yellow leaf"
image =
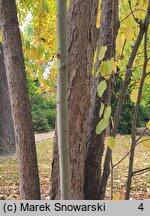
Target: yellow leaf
x,y
148,78
98,17
119,43
111,142
116,196
0,38
129,33
134,95
126,2
148,125
94,62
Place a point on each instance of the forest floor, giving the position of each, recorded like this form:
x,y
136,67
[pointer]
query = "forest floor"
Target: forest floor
x,y
9,185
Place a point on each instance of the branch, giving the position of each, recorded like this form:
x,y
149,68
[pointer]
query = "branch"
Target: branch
x,y
123,47
132,12
130,151
142,141
143,132
141,170
107,75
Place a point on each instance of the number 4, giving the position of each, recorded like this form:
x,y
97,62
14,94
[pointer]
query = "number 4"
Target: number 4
x,y
141,207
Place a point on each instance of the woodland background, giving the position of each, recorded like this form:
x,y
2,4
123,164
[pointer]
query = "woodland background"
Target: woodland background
x,y
108,43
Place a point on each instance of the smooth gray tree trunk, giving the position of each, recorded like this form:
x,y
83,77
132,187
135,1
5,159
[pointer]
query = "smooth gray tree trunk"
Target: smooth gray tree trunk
x,y
62,104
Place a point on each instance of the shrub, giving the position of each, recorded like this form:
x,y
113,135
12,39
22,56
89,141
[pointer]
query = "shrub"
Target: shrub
x,y
51,117
43,112
40,122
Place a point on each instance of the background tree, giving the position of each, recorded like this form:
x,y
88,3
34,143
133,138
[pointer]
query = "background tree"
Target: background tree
x,y
21,112
136,111
123,91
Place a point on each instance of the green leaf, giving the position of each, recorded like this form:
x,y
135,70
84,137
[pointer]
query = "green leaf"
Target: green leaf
x,y
101,110
101,88
111,142
102,52
102,125
106,68
107,113
44,6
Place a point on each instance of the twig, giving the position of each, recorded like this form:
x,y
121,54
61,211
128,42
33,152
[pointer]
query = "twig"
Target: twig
x,y
112,179
129,152
142,141
119,72
141,135
132,12
123,46
141,170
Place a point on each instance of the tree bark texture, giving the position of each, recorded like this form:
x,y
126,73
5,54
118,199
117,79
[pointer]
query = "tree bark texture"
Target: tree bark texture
x,y
82,36
21,112
95,143
7,136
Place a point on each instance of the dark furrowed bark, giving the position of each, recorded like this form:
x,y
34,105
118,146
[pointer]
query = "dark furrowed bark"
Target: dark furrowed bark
x,y
7,136
95,143
21,111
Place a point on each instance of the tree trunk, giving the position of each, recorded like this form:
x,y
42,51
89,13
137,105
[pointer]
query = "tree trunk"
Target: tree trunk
x,y
95,143
62,106
82,36
21,112
136,111
7,137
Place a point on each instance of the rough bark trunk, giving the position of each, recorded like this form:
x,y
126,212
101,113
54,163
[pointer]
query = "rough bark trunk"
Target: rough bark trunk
x,y
21,112
7,136
95,143
82,36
